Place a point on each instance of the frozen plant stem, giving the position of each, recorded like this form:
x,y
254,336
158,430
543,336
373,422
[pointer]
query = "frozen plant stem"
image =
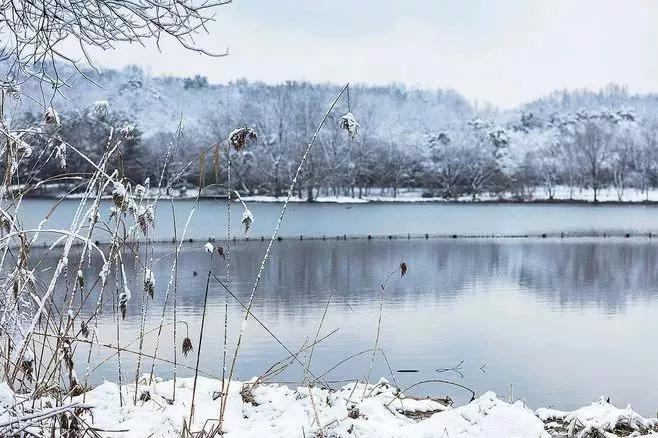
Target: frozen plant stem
x,y
317,335
198,350
169,284
270,332
175,339
228,266
117,312
379,327
267,253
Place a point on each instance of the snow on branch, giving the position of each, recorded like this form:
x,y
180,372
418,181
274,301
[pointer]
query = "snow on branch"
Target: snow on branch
x,y
35,31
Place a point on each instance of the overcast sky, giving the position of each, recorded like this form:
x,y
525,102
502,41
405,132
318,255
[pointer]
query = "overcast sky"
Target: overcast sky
x,y
501,51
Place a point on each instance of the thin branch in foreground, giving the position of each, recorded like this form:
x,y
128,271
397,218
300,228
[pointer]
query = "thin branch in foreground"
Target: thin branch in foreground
x,y
267,251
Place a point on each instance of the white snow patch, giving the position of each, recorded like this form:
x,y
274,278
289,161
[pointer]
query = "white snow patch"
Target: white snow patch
x,y
119,189
101,107
280,411
600,415
348,123
247,219
127,130
51,116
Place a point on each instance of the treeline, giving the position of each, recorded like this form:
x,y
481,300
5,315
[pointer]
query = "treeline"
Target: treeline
x,y
432,141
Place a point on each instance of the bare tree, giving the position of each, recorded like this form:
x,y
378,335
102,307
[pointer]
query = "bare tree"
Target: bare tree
x,y
485,156
549,167
592,143
34,32
622,160
447,164
645,158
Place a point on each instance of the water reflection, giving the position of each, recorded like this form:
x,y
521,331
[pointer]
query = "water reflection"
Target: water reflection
x,y
563,321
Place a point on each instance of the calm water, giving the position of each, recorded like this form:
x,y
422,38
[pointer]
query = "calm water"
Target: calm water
x,y
561,321
209,219
556,321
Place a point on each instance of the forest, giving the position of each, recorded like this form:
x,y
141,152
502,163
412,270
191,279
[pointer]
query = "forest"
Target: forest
x,y
436,142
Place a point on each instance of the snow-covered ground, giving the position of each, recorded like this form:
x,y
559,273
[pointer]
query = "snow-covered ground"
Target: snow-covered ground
x,y
378,410
561,193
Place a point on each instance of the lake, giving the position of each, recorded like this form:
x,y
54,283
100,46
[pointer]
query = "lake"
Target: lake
x,y
552,321
376,219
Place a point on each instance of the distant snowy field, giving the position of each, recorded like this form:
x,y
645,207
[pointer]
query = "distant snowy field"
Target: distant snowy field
x,y
561,193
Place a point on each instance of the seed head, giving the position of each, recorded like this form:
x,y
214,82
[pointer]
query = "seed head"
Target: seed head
x,y
187,346
239,138
349,124
51,116
149,283
247,220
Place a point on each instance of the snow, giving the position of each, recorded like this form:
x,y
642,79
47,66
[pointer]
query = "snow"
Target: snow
x,y
126,295
25,148
486,416
240,137
272,410
247,219
127,130
119,189
234,134
562,193
101,107
104,271
149,276
349,124
600,415
51,116
60,154
327,199
124,298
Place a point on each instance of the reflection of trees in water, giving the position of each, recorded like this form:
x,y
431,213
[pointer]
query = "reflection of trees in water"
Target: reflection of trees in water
x,y
299,276
601,274
605,274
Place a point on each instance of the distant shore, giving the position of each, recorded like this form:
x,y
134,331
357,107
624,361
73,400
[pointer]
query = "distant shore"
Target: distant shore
x,y
384,200
559,195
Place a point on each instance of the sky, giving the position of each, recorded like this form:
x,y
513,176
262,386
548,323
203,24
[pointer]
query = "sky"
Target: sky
x,y
503,52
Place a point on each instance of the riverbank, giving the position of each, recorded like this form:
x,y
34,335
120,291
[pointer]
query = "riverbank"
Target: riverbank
x,y
271,410
561,195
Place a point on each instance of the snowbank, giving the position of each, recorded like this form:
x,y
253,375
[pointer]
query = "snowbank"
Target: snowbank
x,y
271,410
599,417
561,194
